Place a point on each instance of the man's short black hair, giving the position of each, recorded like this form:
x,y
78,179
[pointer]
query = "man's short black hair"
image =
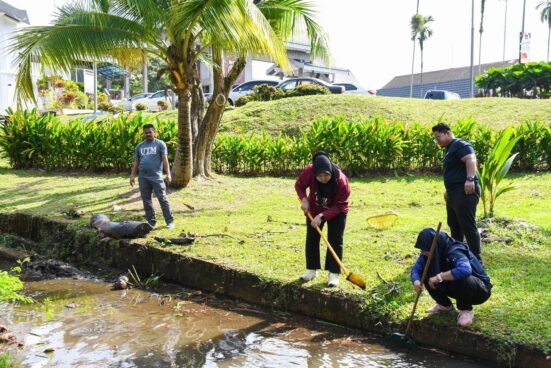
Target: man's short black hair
x,y
441,128
149,126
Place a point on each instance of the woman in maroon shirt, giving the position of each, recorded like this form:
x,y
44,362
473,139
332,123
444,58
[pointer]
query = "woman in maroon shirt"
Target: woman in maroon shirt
x,y
327,201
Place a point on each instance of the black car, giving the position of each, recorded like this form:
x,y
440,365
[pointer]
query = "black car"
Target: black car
x,y
295,82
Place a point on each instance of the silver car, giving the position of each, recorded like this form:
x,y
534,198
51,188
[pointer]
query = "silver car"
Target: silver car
x,y
356,89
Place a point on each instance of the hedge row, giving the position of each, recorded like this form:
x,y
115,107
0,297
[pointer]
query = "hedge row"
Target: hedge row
x,y
30,140
371,145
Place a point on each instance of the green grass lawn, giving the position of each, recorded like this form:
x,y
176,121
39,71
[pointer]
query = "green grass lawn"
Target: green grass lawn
x,y
265,234
290,114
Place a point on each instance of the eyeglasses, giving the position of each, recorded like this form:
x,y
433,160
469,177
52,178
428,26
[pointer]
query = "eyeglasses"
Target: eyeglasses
x,y
438,137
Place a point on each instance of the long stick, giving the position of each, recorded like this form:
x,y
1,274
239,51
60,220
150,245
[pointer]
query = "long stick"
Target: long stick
x,y
425,271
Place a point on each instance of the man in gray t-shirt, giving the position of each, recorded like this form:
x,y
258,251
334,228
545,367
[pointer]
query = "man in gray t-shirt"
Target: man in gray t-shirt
x,y
150,160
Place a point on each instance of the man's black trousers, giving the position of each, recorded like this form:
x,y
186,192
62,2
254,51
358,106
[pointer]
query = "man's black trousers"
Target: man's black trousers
x,y
461,209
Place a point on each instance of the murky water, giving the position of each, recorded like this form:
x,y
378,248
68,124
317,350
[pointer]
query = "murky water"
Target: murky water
x,y
83,323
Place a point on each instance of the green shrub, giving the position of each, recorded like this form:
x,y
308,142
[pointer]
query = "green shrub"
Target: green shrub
x,y
517,80
141,106
30,140
104,106
494,170
163,105
102,97
308,90
82,100
265,92
70,86
116,109
67,98
371,145
243,100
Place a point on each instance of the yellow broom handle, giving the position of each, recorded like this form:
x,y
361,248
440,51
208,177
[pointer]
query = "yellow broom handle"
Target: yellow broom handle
x,y
329,246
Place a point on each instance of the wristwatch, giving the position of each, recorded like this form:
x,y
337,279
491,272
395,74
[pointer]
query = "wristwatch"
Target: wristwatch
x,y
470,178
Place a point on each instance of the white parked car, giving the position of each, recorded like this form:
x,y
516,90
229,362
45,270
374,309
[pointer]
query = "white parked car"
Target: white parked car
x,y
151,99
441,94
168,96
356,89
130,104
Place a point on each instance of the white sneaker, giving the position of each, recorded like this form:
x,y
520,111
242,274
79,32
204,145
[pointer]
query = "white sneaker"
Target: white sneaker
x,y
334,279
170,225
309,275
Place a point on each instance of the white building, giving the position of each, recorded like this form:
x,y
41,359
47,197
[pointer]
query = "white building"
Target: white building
x,y
11,19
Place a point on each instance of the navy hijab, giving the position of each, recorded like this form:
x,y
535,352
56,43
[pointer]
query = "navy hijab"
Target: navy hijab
x,y
322,164
444,246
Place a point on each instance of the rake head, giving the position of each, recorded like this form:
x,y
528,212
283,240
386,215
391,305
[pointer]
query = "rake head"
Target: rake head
x,y
383,221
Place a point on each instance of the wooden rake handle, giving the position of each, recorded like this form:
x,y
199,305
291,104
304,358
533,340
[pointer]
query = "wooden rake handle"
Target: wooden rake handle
x,y
425,271
331,250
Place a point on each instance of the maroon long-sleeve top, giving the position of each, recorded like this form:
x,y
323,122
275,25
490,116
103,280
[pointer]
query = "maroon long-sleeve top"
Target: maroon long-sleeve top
x,y
337,205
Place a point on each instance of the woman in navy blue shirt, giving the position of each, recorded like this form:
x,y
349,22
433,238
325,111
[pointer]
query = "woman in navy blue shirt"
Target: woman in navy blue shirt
x,y
454,272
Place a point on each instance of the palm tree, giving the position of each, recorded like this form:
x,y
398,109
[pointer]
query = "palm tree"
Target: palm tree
x,y
545,16
180,32
414,32
424,34
480,30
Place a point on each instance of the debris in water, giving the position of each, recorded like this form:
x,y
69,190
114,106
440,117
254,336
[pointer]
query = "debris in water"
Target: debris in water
x,y
121,283
53,269
71,305
8,338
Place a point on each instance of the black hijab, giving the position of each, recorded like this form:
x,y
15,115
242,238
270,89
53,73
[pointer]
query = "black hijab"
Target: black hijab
x,y
322,164
444,246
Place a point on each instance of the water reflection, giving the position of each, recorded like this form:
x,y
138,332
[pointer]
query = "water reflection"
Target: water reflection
x,y
88,325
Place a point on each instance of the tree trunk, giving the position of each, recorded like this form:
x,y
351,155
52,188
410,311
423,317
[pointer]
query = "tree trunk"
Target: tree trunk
x,y
211,121
214,123
421,84
197,104
183,164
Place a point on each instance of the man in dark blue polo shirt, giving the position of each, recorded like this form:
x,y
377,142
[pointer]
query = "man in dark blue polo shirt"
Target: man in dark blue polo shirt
x,y
462,188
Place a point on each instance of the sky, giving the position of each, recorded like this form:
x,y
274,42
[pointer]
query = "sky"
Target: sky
x,y
372,37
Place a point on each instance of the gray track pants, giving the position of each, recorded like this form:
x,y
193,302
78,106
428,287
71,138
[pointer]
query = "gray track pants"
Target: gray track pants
x,y
148,186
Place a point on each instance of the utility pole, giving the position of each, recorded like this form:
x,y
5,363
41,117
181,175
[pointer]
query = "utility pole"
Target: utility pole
x,y
413,59
521,33
472,48
95,88
505,30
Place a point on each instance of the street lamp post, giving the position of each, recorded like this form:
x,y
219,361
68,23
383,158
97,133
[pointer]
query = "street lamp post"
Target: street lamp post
x,y
521,33
472,49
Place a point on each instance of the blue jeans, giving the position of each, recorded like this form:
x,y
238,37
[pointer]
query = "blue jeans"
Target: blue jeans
x,y
147,187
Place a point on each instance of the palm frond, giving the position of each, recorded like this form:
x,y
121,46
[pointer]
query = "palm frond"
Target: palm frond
x,y
294,17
